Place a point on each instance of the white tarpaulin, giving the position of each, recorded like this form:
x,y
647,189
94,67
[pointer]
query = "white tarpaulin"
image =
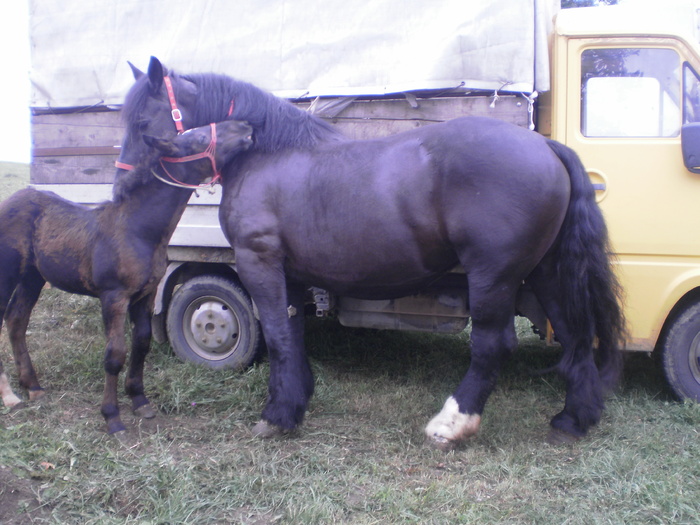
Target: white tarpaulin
x,y
293,48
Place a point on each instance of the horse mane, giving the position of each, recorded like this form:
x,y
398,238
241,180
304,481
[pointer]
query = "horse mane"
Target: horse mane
x,y
277,124
128,181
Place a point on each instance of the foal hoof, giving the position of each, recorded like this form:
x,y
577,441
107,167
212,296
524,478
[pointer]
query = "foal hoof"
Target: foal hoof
x,y
265,430
16,406
114,428
145,411
36,394
558,437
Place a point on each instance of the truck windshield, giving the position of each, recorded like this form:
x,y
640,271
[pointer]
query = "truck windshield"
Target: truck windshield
x,y
630,92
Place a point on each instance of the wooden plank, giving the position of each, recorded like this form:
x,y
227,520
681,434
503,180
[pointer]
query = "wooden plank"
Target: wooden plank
x,y
77,169
72,151
85,129
94,193
366,119
81,193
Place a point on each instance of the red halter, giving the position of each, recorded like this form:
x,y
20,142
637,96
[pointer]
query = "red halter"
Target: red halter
x,y
208,153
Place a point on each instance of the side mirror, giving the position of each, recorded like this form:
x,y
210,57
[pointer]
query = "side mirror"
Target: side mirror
x,y
690,145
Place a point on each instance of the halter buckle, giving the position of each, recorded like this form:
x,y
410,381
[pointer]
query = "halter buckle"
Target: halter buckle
x,y
177,114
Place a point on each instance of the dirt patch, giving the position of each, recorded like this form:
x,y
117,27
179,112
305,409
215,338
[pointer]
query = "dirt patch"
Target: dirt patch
x,y
19,503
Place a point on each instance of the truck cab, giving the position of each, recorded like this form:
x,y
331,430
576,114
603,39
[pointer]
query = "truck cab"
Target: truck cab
x,y
625,98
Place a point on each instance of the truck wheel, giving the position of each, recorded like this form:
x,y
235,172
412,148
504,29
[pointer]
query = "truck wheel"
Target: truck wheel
x,y
681,354
210,321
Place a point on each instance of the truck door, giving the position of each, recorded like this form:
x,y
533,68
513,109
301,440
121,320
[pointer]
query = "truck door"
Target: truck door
x,y
624,113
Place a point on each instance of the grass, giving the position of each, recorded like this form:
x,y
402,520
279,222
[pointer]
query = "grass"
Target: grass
x,y
359,458
13,177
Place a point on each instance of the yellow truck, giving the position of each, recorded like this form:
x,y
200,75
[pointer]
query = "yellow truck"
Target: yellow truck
x,y
626,96
618,84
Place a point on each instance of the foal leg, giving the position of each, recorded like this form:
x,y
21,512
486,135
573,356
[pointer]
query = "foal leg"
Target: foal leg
x,y
18,313
493,340
140,315
114,306
7,286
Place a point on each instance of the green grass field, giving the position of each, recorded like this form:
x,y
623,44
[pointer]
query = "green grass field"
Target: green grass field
x,y
13,177
360,457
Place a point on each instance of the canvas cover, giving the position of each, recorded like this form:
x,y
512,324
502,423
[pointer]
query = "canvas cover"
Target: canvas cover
x,y
294,48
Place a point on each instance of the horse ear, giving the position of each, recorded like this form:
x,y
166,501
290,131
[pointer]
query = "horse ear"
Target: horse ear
x,y
166,147
136,71
156,72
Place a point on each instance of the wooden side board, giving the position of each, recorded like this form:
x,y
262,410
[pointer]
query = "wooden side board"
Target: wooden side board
x,y
80,147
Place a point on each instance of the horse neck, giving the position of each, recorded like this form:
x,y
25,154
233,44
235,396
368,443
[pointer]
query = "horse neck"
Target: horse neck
x,y
153,210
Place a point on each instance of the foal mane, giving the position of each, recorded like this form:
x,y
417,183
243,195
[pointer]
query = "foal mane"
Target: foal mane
x,y
128,181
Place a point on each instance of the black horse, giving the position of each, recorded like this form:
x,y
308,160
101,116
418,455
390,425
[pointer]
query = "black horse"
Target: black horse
x,y
116,252
384,218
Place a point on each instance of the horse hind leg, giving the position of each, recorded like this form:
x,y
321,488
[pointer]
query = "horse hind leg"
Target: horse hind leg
x,y
19,310
584,402
493,340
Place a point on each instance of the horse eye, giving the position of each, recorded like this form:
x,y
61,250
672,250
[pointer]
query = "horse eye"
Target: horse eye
x,y
142,125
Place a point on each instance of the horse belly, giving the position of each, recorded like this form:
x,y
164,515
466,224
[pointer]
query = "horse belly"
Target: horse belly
x,y
370,262
62,252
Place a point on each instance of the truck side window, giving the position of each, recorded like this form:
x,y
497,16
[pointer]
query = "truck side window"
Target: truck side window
x,y
627,92
691,95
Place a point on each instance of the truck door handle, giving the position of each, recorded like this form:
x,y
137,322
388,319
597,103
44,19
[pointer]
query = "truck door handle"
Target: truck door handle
x,y
600,183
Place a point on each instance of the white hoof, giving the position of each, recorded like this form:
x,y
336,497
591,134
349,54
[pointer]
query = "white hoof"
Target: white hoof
x,y
9,399
450,426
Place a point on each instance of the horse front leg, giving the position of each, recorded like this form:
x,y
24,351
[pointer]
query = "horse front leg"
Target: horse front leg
x,y
140,315
18,313
281,307
493,340
114,307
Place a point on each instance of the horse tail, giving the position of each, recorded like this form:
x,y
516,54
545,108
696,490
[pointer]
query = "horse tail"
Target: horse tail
x,y
591,292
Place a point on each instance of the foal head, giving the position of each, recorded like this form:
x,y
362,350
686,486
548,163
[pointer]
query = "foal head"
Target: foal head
x,y
218,142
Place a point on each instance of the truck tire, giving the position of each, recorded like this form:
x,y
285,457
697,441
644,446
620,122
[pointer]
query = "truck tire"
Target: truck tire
x,y
211,321
681,354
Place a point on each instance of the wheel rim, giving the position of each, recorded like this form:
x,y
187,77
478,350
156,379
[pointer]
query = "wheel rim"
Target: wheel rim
x,y
211,328
694,358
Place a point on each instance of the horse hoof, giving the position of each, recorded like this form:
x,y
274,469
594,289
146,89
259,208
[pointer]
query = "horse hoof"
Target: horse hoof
x,y
115,427
558,437
145,411
265,430
441,443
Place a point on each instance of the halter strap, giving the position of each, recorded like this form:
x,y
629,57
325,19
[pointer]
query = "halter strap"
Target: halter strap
x,y
124,166
176,113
